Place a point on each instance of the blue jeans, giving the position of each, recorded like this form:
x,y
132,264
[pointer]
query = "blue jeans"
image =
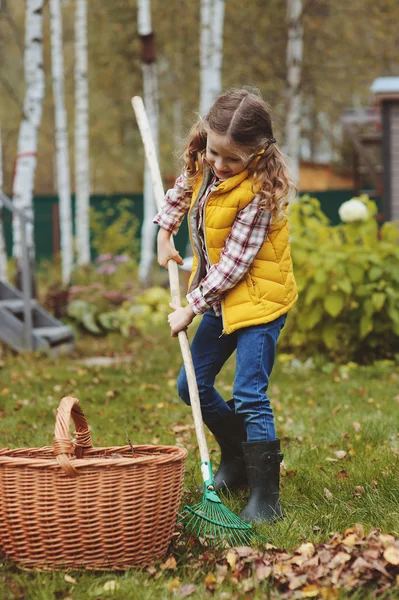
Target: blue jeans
x,y
256,351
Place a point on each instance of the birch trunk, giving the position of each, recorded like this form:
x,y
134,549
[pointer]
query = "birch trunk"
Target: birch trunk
x,y
82,169
61,141
150,87
27,139
211,52
3,251
294,71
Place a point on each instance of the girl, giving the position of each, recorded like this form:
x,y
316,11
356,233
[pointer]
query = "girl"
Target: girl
x,y
235,188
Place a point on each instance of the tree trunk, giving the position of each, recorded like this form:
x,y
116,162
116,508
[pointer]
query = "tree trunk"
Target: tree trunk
x,y
27,139
211,52
150,86
3,252
294,67
61,141
82,169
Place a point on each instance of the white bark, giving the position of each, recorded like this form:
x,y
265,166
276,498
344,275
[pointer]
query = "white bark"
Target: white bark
x,y
150,87
32,110
211,52
82,169
294,72
61,141
3,252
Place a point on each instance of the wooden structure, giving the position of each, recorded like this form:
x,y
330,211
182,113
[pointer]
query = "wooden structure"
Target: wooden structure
x,y
363,127
386,90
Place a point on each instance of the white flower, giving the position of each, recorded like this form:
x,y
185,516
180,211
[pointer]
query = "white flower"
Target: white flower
x,y
353,210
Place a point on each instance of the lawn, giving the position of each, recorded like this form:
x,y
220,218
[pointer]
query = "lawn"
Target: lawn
x,y
339,431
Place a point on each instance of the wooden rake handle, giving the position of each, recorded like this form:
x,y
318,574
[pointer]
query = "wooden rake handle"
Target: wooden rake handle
x,y
151,156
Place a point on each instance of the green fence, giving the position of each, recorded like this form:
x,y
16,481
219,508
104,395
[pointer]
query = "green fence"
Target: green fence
x,y
46,230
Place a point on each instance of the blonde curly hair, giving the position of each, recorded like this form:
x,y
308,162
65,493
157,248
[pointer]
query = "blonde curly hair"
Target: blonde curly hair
x,y
244,118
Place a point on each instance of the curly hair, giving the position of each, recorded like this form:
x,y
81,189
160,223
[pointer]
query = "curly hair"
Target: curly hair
x,y
243,117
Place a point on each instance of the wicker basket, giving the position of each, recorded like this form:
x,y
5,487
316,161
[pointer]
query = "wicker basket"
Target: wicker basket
x,y
72,506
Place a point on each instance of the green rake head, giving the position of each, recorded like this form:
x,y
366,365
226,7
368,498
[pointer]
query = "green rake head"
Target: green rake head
x,y
213,523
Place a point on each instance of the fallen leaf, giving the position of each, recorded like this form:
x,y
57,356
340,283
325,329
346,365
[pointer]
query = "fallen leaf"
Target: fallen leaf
x,y
262,572
306,549
391,555
310,591
328,494
231,558
174,584
339,559
296,582
210,581
356,426
386,539
69,579
170,563
350,540
186,590
340,454
111,586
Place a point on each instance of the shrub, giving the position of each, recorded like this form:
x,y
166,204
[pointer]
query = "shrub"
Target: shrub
x,y
348,282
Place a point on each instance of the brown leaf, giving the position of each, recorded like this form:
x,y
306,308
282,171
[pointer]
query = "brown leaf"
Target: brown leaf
x,y
339,559
296,582
262,571
360,565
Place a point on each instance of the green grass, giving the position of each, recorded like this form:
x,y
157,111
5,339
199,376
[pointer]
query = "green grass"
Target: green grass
x,y
318,412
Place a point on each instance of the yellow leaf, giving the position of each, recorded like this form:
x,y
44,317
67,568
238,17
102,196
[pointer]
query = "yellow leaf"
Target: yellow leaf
x,y
210,581
329,593
328,494
350,540
174,584
340,454
170,563
310,591
231,558
69,579
386,539
391,555
306,549
110,586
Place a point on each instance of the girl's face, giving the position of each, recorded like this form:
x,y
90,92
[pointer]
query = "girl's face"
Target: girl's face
x,y
224,158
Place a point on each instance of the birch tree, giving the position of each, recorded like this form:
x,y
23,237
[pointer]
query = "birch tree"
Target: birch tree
x,y
294,70
25,164
61,141
150,86
82,172
3,252
211,52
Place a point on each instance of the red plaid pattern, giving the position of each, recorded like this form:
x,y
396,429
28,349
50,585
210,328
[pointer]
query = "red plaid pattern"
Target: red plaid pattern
x,y
245,239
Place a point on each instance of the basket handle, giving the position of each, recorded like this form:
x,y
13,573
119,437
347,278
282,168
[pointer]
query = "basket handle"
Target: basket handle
x,y
63,446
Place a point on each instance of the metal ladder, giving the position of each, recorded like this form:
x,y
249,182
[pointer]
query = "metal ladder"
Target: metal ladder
x,y
24,325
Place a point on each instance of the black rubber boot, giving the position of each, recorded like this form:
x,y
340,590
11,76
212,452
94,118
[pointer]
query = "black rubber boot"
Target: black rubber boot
x,y
230,434
262,460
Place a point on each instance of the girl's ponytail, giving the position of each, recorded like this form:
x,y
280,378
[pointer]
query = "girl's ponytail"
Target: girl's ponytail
x,y
272,182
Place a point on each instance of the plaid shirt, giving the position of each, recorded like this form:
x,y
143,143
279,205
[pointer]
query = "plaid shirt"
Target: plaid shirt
x,y
244,241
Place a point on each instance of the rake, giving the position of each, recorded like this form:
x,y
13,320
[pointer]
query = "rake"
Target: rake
x,y
209,520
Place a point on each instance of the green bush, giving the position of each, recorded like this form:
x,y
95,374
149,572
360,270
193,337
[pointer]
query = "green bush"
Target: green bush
x,y
348,282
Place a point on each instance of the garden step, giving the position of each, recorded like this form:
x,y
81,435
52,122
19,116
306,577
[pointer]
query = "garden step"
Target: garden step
x,y
54,334
16,305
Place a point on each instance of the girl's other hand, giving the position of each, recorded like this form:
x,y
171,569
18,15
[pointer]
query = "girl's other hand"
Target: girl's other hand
x,y
166,250
180,318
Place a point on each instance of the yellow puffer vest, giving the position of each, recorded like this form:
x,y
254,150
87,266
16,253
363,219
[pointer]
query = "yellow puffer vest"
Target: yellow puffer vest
x,y
268,290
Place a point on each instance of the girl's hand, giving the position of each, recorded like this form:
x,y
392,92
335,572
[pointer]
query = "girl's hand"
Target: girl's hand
x,y
166,250
180,318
